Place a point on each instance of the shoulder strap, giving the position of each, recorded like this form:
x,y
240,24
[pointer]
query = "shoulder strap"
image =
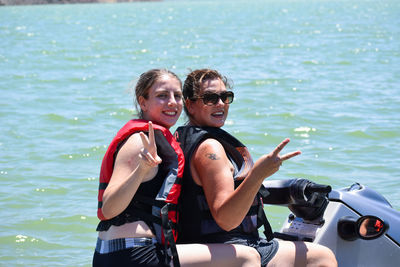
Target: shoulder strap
x,y
262,218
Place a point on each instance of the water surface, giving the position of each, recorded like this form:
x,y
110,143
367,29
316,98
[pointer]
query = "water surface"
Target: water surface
x,y
324,73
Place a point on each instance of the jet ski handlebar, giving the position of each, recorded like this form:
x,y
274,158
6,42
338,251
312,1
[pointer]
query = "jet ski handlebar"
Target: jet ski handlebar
x,y
304,198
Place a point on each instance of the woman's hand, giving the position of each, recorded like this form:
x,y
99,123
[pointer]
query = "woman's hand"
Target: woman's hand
x,y
269,164
149,151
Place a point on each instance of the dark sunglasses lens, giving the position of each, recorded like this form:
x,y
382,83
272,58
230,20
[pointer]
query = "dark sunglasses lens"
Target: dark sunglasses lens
x,y
210,99
227,97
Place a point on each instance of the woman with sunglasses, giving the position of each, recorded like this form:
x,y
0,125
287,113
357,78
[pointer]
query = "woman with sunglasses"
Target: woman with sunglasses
x,y
135,168
221,185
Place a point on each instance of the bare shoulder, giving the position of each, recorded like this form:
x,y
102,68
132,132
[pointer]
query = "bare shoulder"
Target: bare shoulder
x,y
211,158
212,169
130,148
210,149
210,145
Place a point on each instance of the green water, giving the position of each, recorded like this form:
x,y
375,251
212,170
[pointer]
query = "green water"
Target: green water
x,y
324,73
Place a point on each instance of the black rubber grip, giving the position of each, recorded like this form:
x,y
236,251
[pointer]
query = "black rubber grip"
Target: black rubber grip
x,y
318,188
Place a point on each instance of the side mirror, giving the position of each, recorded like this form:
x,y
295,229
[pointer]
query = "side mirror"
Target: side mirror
x,y
371,227
366,227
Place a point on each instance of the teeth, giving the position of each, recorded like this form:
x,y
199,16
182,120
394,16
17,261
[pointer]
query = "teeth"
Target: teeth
x,y
218,113
172,113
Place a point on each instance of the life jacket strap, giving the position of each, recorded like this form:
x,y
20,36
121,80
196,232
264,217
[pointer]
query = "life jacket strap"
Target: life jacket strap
x,y
269,235
267,227
263,192
148,201
143,202
169,235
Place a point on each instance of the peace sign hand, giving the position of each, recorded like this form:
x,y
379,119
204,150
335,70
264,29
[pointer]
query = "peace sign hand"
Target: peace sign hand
x,y
268,164
149,151
287,156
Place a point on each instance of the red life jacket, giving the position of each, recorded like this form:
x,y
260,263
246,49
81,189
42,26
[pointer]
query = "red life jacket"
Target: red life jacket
x,y
167,198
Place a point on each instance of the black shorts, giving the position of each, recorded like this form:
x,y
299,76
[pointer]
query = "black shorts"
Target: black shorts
x,y
149,255
266,249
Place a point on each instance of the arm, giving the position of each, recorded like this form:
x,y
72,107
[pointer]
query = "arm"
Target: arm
x,y
215,173
136,162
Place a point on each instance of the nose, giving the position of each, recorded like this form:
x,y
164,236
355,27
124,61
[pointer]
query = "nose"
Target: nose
x,y
171,101
220,102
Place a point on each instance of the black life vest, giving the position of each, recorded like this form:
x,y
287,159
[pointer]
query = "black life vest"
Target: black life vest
x,y
155,201
196,221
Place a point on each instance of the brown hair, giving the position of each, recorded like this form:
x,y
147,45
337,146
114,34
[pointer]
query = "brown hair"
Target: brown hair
x,y
146,81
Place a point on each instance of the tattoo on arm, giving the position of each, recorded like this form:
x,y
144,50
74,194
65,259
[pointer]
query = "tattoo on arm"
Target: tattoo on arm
x,y
212,156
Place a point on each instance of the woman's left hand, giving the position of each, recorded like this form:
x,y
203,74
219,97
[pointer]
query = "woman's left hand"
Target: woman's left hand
x,y
280,159
268,164
149,151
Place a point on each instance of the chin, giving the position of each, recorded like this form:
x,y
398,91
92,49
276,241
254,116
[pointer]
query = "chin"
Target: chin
x,y
168,125
168,121
218,124
164,124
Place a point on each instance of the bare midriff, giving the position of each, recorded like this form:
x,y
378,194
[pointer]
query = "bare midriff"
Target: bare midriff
x,y
133,229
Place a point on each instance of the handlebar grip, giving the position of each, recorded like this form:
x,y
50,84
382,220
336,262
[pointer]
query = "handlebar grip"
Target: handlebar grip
x,y
318,188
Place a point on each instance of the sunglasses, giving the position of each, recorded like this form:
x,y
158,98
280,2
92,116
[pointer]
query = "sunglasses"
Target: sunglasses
x,y
210,99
